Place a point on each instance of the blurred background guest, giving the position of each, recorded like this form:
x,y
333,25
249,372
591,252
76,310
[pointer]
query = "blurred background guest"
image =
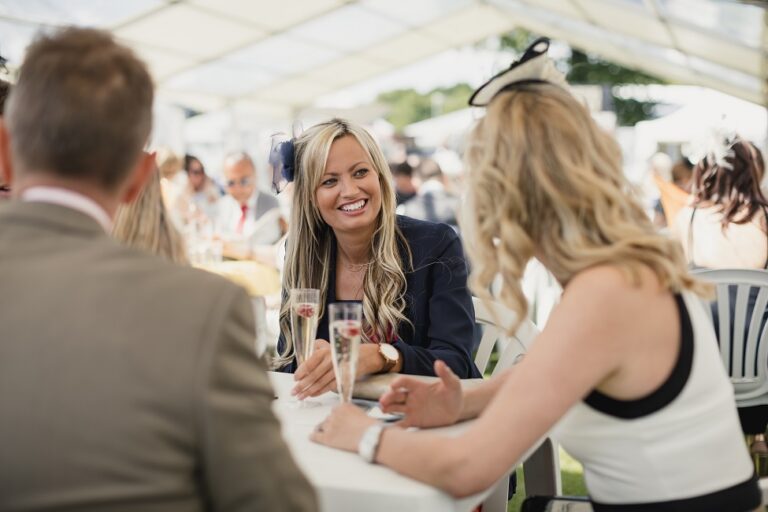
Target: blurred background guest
x,y
660,171
724,226
674,187
432,201
201,191
402,174
145,224
169,163
5,88
682,174
346,241
247,217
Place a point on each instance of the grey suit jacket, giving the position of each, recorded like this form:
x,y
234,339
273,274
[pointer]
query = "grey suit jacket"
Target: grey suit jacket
x,y
433,206
126,382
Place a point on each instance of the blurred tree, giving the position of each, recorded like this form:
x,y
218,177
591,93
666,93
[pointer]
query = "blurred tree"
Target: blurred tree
x,y
590,69
408,106
587,69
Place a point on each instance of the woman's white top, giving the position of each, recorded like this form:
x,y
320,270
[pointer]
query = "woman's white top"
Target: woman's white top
x,y
681,446
706,244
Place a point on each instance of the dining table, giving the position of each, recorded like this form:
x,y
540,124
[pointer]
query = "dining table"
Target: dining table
x,y
343,480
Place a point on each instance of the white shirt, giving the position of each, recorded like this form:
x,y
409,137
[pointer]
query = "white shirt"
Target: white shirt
x,y
264,230
738,246
69,199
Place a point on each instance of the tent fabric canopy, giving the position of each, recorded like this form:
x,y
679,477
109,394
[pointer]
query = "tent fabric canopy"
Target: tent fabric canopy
x,y
277,57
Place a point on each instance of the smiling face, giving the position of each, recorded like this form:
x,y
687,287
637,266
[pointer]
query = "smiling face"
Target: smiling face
x,y
349,193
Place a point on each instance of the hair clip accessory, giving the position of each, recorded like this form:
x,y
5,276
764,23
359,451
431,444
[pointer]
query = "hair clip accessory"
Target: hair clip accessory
x,y
533,67
282,157
283,162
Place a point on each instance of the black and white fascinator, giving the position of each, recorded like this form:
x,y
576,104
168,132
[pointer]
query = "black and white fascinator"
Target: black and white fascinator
x,y
533,67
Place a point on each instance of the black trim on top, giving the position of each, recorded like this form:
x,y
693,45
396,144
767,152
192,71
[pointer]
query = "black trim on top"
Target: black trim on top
x,y
666,392
743,497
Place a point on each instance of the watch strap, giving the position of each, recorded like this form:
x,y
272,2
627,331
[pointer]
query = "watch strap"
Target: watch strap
x,y
369,442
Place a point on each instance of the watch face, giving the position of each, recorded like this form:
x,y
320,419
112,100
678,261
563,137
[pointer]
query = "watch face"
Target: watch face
x,y
389,352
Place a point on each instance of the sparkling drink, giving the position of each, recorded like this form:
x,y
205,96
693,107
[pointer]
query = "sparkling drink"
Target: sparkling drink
x,y
304,316
345,330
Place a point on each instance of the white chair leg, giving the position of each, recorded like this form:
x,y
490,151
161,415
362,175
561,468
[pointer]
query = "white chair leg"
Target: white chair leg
x,y
542,471
497,500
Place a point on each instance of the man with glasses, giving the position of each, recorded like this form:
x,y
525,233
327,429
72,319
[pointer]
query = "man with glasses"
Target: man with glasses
x,y
248,218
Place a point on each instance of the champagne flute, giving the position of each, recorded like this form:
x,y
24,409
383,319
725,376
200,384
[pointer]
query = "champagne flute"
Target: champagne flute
x,y
305,306
345,326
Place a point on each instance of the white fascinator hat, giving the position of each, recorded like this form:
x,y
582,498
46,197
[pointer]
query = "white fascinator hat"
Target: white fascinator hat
x,y
533,67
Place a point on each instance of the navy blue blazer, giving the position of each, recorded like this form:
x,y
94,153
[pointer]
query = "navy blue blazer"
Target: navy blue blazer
x,y
438,303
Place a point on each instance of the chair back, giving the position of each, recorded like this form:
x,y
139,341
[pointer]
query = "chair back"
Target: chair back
x,y
739,316
542,466
496,320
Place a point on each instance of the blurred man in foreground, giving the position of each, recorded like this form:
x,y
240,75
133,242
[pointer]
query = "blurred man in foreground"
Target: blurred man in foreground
x,y
126,382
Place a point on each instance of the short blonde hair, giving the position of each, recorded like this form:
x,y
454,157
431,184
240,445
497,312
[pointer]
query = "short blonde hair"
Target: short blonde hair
x,y
545,179
310,240
145,224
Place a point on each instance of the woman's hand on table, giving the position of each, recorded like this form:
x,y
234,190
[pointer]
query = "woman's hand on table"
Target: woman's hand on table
x,y
425,404
343,428
315,376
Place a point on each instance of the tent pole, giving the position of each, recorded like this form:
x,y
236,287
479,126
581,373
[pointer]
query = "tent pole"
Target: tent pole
x,y
764,68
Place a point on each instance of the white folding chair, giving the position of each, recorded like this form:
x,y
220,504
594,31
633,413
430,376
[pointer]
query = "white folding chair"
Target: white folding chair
x,y
496,321
741,334
542,468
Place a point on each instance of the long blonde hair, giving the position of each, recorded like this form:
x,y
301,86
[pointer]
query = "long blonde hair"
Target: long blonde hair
x,y
546,179
146,225
311,241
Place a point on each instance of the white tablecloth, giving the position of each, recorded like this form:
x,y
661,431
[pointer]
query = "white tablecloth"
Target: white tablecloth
x,y
343,480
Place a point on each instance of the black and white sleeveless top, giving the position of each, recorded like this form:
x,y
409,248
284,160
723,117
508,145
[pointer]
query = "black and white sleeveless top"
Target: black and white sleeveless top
x,y
680,448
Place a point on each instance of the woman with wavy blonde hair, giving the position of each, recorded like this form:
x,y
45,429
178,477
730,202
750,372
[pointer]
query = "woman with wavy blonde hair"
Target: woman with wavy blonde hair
x,y
146,225
346,241
626,374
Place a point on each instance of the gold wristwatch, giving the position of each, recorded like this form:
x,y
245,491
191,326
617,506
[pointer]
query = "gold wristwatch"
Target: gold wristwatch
x,y
391,356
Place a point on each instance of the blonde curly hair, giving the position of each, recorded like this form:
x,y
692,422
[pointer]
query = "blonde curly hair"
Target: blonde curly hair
x,y
546,181
310,240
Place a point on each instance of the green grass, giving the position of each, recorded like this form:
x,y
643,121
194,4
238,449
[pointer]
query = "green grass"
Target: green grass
x,y
573,481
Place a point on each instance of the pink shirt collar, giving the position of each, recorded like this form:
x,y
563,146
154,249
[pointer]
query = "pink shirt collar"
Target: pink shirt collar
x,y
69,199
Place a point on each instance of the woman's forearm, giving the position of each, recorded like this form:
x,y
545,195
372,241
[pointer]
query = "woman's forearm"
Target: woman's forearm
x,y
439,461
477,398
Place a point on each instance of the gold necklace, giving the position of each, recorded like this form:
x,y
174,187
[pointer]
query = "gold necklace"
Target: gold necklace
x,y
356,267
